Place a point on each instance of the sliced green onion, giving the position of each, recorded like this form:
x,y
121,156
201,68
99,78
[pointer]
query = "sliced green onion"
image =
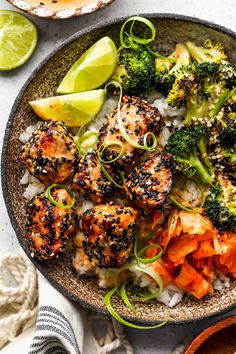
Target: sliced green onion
x,y
148,237
123,130
181,205
125,298
132,37
83,138
156,54
121,289
108,176
142,296
103,148
54,202
135,266
221,101
172,221
154,141
107,302
149,260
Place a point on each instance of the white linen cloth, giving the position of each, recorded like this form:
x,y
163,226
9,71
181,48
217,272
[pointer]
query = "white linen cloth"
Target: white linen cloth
x,y
62,327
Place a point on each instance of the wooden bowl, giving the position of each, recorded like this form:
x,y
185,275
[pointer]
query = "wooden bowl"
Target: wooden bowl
x,y
43,83
59,9
219,338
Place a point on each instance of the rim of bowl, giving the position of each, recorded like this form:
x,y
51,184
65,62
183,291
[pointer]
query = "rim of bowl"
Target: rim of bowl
x,y
208,332
7,134
62,14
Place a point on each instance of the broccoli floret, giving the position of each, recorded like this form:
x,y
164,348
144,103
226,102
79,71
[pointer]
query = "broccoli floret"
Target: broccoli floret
x,y
185,81
206,53
209,91
228,144
220,205
189,87
167,68
188,147
135,70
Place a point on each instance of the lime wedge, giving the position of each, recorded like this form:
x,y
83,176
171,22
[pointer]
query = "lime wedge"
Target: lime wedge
x,y
18,39
74,110
92,69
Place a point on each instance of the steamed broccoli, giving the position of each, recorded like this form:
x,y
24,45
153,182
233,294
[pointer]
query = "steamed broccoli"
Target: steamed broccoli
x,y
220,206
135,70
228,144
206,53
188,147
167,68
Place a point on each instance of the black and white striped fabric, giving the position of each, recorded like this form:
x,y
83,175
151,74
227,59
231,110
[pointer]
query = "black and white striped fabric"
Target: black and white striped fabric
x,y
59,326
53,333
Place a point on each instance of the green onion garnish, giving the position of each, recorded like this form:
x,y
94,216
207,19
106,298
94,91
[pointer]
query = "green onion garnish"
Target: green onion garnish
x,y
123,131
156,54
103,148
131,38
149,260
82,138
121,290
108,176
54,202
125,298
221,101
181,205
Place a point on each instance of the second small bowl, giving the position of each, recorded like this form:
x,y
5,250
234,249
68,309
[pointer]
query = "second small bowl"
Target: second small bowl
x,y
59,9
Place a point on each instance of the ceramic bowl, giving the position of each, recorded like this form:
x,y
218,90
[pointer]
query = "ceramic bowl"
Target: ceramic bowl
x,y
218,338
59,9
43,83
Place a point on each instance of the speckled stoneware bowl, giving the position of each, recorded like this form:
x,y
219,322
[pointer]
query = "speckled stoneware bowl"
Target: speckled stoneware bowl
x,y
59,9
43,83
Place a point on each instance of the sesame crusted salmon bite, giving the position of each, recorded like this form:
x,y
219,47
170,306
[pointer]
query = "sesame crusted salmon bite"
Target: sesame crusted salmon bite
x,y
131,175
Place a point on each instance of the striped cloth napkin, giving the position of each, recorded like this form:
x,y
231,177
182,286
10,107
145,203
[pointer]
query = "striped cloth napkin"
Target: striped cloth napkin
x,y
60,324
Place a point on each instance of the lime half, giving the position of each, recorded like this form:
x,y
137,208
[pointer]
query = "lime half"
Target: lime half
x,y
18,39
92,69
74,110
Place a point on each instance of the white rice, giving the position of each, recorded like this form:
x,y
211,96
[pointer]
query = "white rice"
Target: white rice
x,y
34,186
221,282
171,295
24,137
101,118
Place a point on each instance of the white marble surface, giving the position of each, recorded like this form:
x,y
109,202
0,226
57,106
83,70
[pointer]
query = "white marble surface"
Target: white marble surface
x,y
51,33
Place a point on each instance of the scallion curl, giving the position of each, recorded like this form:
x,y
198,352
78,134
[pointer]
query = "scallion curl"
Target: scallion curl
x,y
125,298
102,148
181,205
83,138
54,202
148,260
108,176
123,130
158,55
132,37
133,266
